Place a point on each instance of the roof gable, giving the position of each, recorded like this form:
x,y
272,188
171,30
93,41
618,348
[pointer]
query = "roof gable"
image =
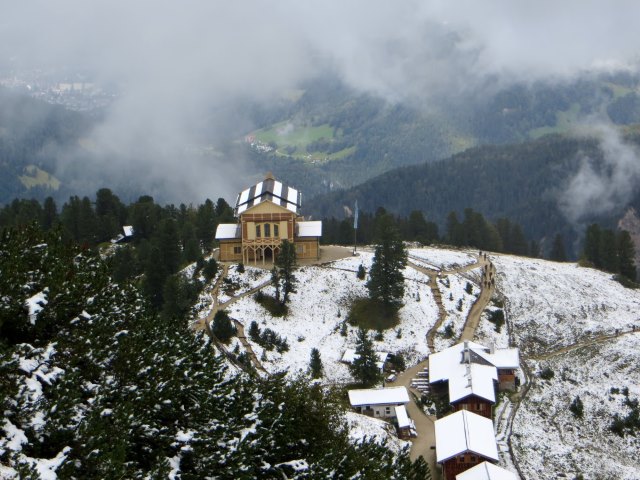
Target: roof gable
x,y
266,206
465,431
269,190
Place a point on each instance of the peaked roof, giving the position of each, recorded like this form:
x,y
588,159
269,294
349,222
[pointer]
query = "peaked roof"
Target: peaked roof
x,y
465,431
272,190
486,471
473,379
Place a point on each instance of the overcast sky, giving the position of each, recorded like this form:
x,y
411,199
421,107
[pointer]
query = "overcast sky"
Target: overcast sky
x,y
176,62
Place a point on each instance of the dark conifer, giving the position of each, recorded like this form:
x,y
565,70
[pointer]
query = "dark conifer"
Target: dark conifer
x,y
386,281
364,368
558,252
315,364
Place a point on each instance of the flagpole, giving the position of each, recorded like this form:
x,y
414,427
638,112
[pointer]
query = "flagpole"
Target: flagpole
x,y
355,228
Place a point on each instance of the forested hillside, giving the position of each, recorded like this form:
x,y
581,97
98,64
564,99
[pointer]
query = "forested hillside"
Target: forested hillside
x,y
376,136
521,182
93,384
320,137
31,133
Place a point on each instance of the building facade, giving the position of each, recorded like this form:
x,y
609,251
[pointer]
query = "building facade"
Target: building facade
x,y
268,213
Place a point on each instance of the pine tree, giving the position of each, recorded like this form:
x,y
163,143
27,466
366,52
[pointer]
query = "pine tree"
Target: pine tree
x,y
210,269
455,234
626,255
222,327
275,281
315,364
206,223
592,245
254,331
558,252
49,213
608,251
386,282
286,262
364,368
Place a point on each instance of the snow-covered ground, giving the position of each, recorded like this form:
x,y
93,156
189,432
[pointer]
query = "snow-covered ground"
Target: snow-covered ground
x,y
440,258
547,306
319,309
552,304
457,303
547,438
362,427
236,283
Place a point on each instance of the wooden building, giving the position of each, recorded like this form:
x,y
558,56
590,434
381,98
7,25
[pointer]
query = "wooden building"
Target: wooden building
x,y
464,440
470,374
268,213
379,402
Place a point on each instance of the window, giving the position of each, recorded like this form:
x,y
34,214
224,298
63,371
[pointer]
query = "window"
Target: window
x,y
267,229
257,231
299,249
237,250
276,230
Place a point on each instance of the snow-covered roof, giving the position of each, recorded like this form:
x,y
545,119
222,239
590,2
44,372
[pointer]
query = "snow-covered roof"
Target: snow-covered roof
x,y
378,396
271,190
503,357
227,231
309,229
441,363
465,431
402,417
128,230
486,471
472,379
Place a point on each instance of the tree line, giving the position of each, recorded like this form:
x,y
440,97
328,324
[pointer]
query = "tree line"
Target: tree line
x,y
470,230
166,238
610,251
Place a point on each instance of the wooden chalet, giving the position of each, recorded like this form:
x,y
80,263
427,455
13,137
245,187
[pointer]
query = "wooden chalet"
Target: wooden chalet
x,y
464,440
379,402
469,374
268,213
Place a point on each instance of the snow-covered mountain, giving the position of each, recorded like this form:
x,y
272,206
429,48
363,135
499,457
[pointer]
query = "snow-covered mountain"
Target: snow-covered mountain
x,y
578,322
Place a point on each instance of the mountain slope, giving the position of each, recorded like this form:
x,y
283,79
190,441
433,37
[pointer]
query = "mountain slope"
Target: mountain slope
x,y
577,321
524,182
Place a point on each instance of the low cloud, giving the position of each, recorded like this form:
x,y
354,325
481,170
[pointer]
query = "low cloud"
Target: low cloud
x,y
180,66
603,186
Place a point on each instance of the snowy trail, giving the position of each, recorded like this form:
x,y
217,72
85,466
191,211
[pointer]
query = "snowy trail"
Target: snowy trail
x,y
487,287
205,323
582,344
